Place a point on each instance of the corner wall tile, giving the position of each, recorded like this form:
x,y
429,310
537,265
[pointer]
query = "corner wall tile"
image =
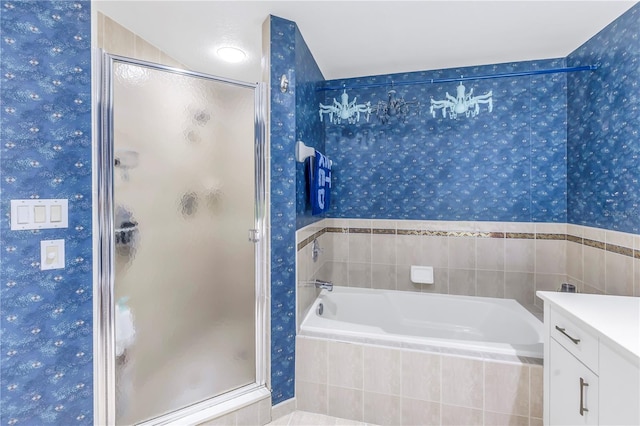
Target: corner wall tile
x,y
619,274
594,267
575,260
519,286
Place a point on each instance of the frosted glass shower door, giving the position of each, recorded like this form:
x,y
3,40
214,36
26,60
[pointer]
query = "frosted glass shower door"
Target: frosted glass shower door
x,y
184,201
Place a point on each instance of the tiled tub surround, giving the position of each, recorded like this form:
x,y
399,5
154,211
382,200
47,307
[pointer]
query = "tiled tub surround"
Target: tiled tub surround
x,y
494,259
394,386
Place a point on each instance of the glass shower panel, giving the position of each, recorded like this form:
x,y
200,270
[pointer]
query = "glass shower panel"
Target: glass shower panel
x,y
184,200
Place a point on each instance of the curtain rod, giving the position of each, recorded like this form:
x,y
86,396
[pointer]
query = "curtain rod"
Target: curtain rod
x,y
461,78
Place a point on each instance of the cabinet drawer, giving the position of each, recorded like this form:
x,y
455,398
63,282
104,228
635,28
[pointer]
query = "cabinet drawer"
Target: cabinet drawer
x,y
575,339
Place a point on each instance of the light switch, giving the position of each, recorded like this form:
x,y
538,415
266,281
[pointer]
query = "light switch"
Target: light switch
x,y
51,254
55,213
23,215
39,214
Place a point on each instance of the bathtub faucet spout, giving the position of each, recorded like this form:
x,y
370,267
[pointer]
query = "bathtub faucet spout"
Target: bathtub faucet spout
x,y
327,285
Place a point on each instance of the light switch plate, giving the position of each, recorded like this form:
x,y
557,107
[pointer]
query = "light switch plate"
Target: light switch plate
x,y
51,254
39,214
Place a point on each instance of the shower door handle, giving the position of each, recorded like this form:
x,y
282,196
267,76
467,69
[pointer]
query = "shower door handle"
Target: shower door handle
x,y
254,235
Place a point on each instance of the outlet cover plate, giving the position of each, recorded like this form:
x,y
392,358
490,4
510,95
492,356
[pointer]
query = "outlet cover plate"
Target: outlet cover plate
x,y
51,254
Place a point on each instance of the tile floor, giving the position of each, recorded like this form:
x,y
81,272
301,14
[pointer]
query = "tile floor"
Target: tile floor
x,y
303,418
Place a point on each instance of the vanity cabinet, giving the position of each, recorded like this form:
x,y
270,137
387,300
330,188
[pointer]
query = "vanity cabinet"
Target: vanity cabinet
x,y
591,359
619,389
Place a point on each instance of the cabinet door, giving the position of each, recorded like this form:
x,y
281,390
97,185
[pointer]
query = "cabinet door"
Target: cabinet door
x,y
619,389
567,392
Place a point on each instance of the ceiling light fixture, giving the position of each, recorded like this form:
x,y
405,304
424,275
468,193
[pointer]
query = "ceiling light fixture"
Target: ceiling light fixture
x,y
231,54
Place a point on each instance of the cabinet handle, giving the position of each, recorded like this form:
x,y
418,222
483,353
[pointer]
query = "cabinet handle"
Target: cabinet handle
x,y
583,384
573,339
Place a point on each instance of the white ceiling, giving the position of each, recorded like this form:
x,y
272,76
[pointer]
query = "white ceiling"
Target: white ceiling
x,y
359,38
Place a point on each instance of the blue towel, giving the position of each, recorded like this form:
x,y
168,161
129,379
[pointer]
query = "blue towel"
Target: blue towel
x,y
320,184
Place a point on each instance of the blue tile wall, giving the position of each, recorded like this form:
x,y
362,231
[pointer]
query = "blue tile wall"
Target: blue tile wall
x,y
604,129
283,210
46,323
308,126
505,165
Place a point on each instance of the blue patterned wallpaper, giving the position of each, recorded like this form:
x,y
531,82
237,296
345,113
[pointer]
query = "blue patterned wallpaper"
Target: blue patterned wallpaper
x,y
308,126
283,210
507,165
46,323
293,118
604,129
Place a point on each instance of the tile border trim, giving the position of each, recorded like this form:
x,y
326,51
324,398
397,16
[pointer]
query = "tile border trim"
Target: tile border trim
x,y
613,248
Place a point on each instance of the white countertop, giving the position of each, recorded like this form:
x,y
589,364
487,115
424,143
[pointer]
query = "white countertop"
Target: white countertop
x,y
615,319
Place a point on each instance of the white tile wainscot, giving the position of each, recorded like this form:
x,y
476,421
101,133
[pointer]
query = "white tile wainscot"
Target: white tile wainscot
x,y
592,359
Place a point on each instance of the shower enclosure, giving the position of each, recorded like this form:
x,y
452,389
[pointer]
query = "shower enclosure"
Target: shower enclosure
x,y
181,202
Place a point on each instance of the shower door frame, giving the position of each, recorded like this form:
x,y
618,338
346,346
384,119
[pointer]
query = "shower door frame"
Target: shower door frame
x,y
104,260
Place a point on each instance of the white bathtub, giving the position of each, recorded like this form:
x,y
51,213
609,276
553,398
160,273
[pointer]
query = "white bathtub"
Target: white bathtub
x,y
436,322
